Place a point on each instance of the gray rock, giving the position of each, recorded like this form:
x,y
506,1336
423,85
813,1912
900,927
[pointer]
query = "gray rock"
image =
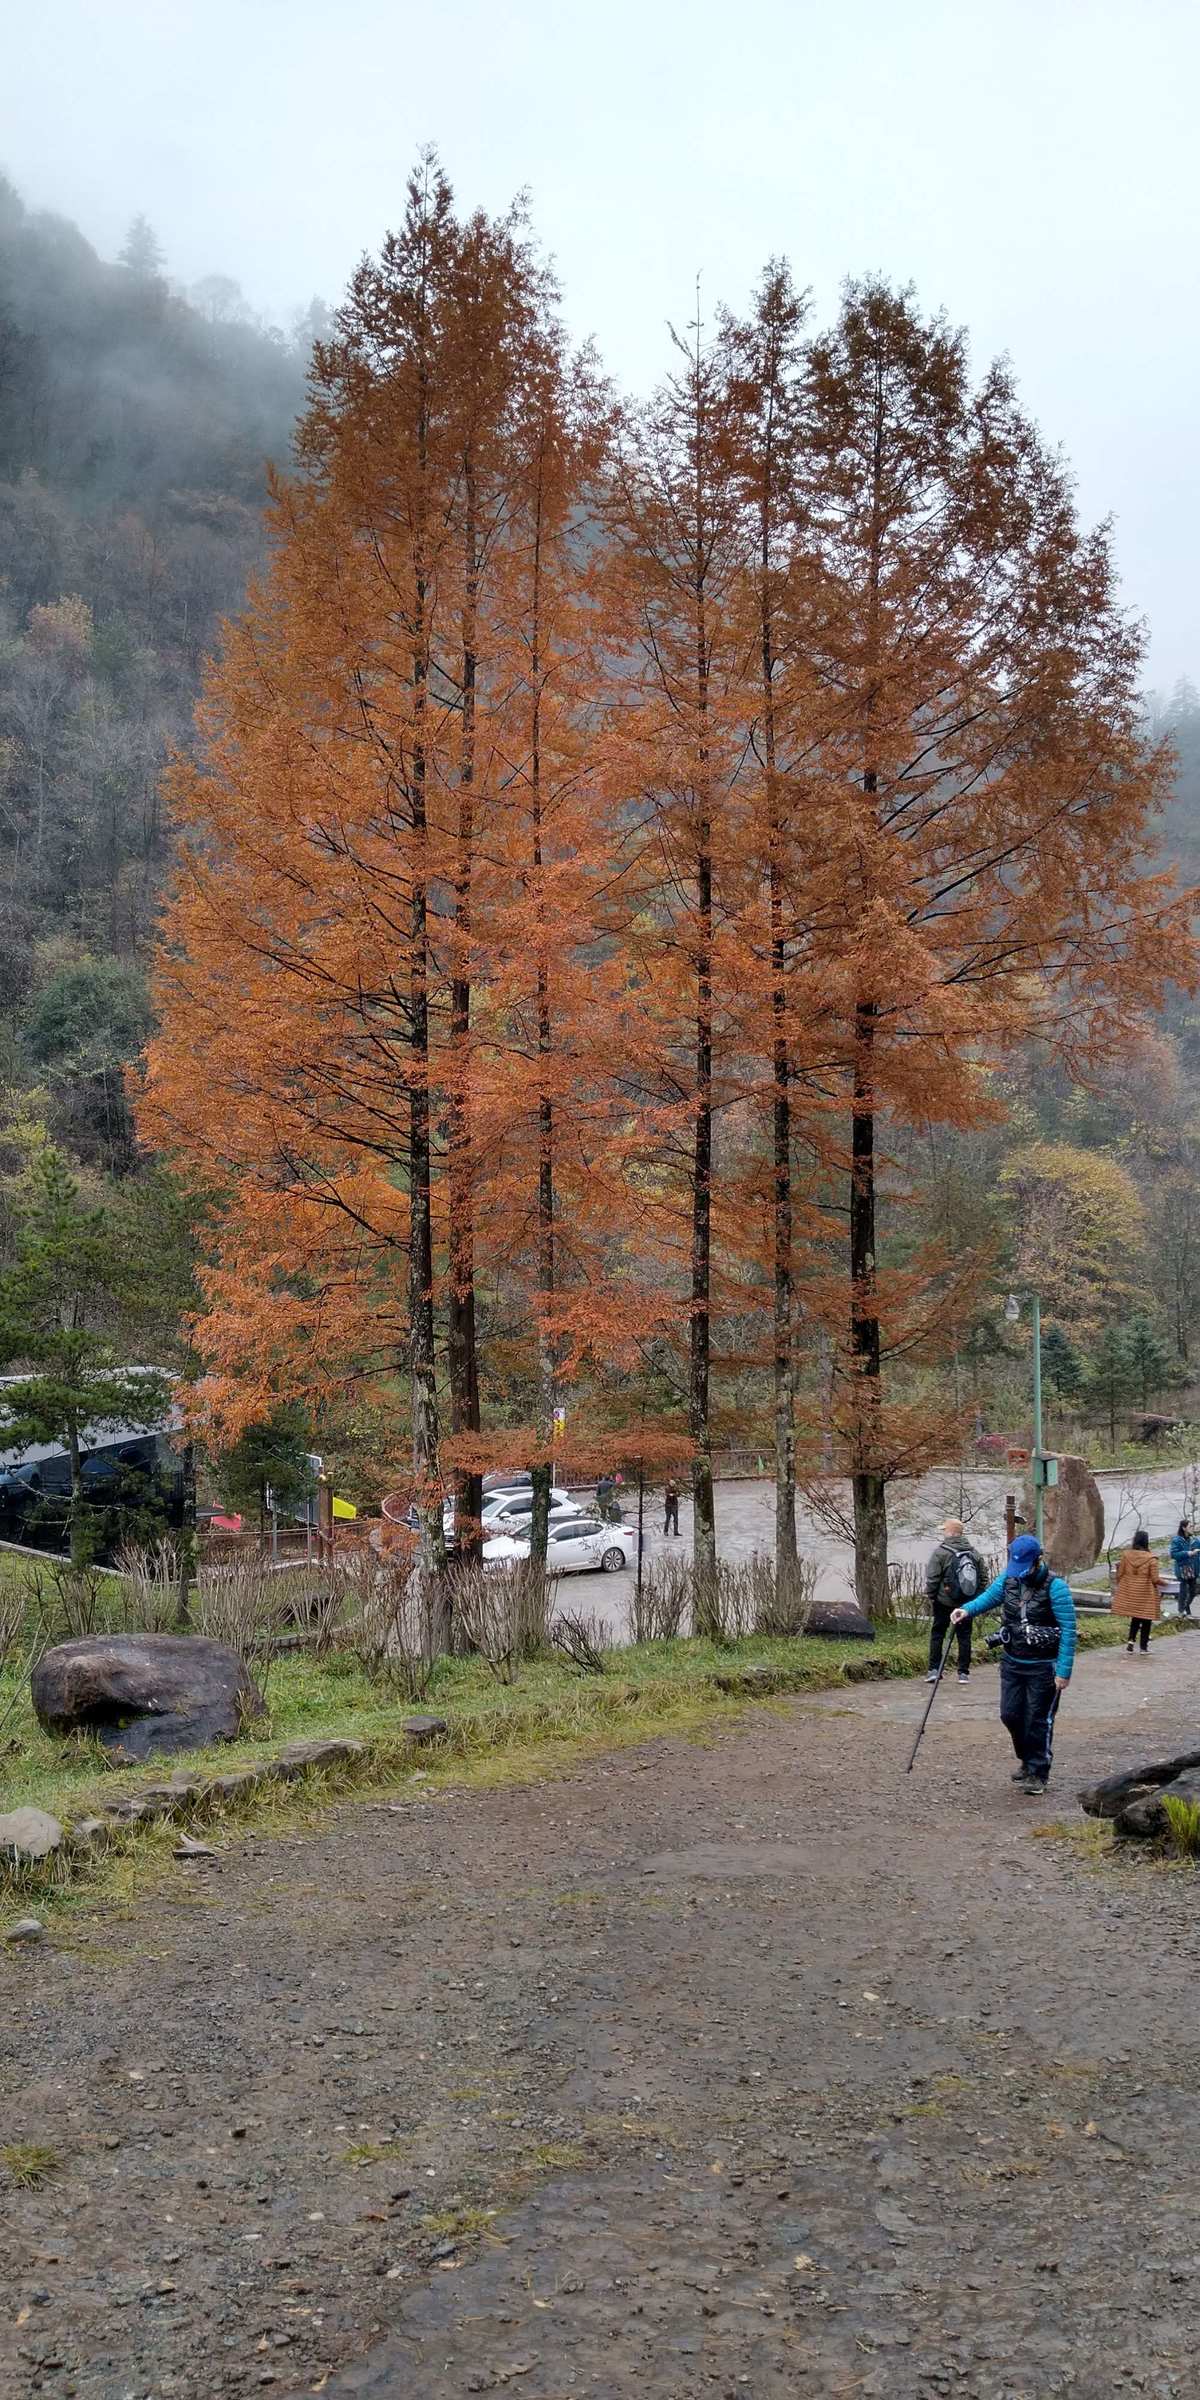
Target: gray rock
x,y
86,1833
839,1621
1115,1792
144,1694
425,1729
26,1929
304,1758
30,1833
1074,1517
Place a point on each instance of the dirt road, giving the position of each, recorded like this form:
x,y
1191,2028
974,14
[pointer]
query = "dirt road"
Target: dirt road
x,y
782,2073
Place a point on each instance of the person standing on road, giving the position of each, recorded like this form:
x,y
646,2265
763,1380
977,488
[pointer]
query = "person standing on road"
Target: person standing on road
x,y
1037,1634
1137,1593
670,1507
955,1573
1185,1558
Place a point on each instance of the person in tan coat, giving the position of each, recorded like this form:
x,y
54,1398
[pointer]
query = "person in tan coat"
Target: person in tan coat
x,y
1138,1588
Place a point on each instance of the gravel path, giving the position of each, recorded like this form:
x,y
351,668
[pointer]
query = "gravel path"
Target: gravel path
x,y
781,2071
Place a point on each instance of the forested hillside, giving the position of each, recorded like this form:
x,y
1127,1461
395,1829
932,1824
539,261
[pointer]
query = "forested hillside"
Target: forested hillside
x,y
134,428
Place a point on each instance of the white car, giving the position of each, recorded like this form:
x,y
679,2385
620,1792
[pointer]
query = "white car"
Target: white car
x,y
508,1510
512,1512
577,1545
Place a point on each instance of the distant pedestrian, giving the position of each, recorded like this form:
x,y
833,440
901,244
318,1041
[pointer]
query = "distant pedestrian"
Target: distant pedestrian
x,y
1037,1635
671,1506
955,1573
606,1497
1137,1593
1185,1559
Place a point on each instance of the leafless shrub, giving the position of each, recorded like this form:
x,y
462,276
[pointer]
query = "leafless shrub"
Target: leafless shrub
x,y
72,1602
12,1622
783,1603
660,1611
388,1626
582,1640
242,1604
148,1600
503,1614
723,1605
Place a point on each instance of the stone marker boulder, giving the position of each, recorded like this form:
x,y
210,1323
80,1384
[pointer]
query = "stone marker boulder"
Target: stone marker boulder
x,y
145,1693
1133,1802
27,1834
1074,1517
839,1621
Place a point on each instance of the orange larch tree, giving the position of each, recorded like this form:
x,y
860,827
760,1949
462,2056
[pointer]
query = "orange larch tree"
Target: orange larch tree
x,y
983,796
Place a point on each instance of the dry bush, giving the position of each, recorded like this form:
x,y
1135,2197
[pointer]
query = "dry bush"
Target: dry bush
x,y
783,1605
388,1624
582,1641
149,1599
723,1610
72,1602
242,1603
501,1613
12,1622
661,1610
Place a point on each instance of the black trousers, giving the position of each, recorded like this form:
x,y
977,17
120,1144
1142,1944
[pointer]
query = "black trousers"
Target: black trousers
x,y
937,1636
1140,1625
671,1519
1187,1593
1028,1700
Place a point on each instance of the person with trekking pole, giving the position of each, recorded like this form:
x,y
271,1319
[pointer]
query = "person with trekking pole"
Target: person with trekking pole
x,y
955,1573
1037,1652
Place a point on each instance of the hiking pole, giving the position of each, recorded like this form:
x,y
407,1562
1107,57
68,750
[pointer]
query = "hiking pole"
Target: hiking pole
x,y
929,1703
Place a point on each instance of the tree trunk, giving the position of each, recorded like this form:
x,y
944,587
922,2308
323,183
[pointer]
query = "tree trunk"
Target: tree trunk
x,y
461,1355
869,1488
425,1430
786,1556
77,1541
547,1262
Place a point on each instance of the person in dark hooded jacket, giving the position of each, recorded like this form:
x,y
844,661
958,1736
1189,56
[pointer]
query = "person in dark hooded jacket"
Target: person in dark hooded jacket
x,y
1037,1633
955,1573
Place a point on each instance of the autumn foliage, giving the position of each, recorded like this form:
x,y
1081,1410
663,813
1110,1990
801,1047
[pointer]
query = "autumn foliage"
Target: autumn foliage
x,y
609,825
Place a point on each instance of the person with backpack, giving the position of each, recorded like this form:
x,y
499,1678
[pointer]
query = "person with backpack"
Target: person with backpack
x,y
955,1574
1037,1637
1185,1557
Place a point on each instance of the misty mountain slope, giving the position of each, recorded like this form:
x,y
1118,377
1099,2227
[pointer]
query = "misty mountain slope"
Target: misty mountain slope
x,y
134,430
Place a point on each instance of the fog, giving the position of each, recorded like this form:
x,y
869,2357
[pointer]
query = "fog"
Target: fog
x,y
1025,164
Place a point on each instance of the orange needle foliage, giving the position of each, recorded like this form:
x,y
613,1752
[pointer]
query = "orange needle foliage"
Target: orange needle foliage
x,y
598,841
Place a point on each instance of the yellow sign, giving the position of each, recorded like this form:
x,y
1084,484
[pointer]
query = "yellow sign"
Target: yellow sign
x,y
343,1508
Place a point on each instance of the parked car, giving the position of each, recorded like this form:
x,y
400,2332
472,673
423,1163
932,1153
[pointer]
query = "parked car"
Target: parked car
x,y
513,1512
577,1545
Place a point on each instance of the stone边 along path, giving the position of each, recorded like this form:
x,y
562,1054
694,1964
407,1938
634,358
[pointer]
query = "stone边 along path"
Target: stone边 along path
x,y
748,2066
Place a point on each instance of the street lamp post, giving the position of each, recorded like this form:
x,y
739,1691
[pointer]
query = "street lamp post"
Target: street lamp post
x,y
1012,1311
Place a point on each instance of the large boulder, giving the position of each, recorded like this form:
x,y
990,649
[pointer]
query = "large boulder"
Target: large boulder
x,y
145,1693
1109,1797
839,1621
1074,1517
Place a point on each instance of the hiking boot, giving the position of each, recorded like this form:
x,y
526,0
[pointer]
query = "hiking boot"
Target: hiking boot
x,y
964,1679
1022,1775
932,1675
1034,1785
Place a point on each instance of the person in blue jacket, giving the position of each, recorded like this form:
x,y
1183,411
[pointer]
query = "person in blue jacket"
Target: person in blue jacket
x,y
1185,1558
1037,1631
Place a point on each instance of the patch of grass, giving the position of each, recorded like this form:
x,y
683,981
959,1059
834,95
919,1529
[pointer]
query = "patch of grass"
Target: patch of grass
x,y
1183,1827
554,2156
28,2164
458,2224
371,2154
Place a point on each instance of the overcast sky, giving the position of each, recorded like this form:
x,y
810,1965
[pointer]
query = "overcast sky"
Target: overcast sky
x,y
1028,164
